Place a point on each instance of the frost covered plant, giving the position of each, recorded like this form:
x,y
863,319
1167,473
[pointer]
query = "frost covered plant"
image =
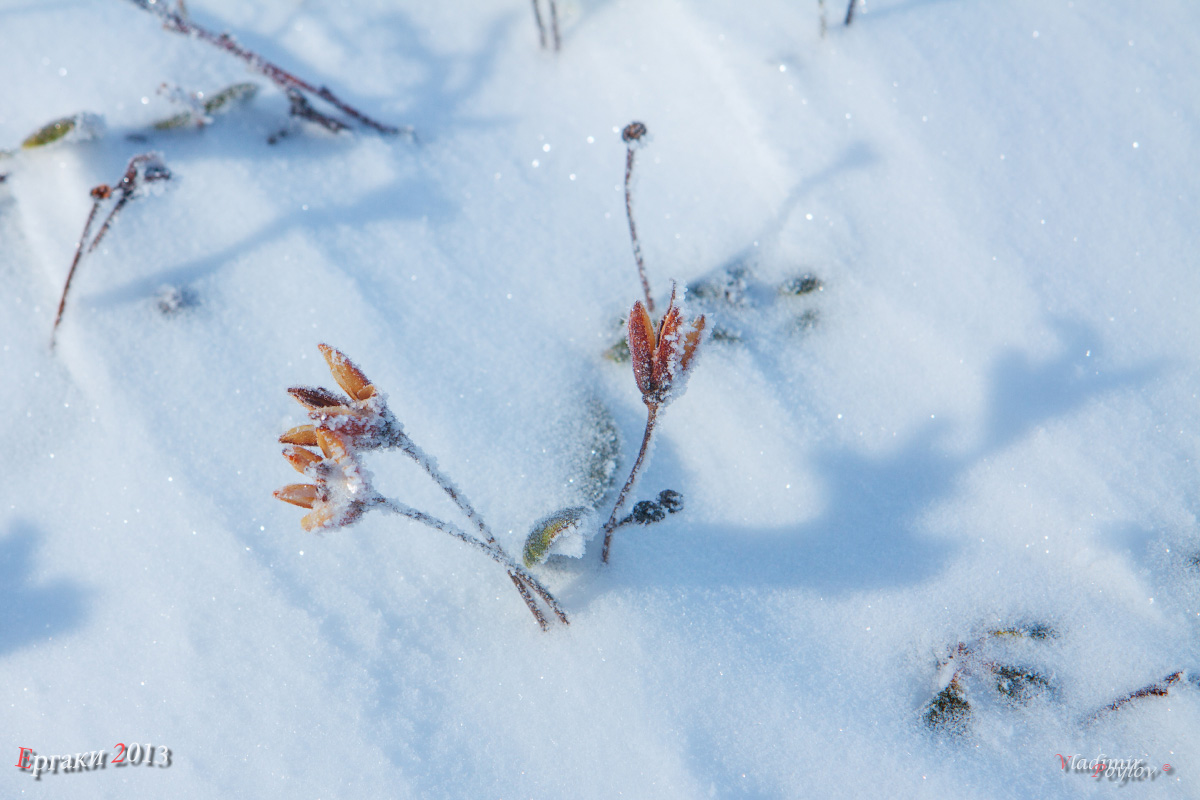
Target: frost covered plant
x,y
143,173
76,128
950,709
1160,688
199,110
541,26
80,127
178,22
662,359
328,452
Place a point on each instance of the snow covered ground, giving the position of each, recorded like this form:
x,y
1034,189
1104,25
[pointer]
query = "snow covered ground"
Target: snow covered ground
x,y
986,420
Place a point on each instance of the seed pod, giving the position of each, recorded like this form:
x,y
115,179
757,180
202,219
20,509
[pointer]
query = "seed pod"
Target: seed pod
x,y
304,495
347,374
301,459
648,512
315,397
671,500
633,133
304,435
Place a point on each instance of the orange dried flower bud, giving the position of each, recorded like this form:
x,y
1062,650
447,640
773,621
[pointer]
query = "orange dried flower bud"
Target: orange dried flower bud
x,y
642,341
659,358
332,444
690,343
299,494
664,354
347,374
315,397
301,459
303,435
316,520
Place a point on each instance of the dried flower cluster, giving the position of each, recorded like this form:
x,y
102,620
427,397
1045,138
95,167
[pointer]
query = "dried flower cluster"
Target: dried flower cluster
x,y
327,451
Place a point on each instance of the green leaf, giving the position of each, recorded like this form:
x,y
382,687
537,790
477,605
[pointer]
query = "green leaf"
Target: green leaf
x,y
547,530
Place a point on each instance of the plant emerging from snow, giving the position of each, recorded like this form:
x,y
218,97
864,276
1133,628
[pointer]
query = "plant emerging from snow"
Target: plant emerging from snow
x,y
328,453
541,26
142,175
179,22
635,137
950,709
662,359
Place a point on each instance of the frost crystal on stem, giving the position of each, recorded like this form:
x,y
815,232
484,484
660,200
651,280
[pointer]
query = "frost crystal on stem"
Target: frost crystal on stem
x,y
327,452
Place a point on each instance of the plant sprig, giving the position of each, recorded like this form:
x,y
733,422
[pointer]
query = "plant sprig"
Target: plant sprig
x,y
328,451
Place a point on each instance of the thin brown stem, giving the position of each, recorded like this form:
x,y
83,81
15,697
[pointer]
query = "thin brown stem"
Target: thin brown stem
x,y
62,303
108,220
529,601
612,524
521,579
1156,689
537,16
174,21
554,25
850,11
637,247
406,445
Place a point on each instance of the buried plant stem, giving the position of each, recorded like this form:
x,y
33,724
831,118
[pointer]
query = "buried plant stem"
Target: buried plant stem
x,y
179,23
554,25
537,16
850,11
612,524
97,198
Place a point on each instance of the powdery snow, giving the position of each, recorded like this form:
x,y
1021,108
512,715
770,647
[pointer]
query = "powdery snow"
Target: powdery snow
x,y
980,419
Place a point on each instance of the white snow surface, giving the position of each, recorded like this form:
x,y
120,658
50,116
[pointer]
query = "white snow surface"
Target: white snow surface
x,y
990,418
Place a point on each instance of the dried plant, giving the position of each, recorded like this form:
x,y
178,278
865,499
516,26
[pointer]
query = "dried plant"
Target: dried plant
x,y
143,172
80,127
200,110
635,137
1160,688
850,11
737,303
662,359
177,21
328,452
950,709
537,17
